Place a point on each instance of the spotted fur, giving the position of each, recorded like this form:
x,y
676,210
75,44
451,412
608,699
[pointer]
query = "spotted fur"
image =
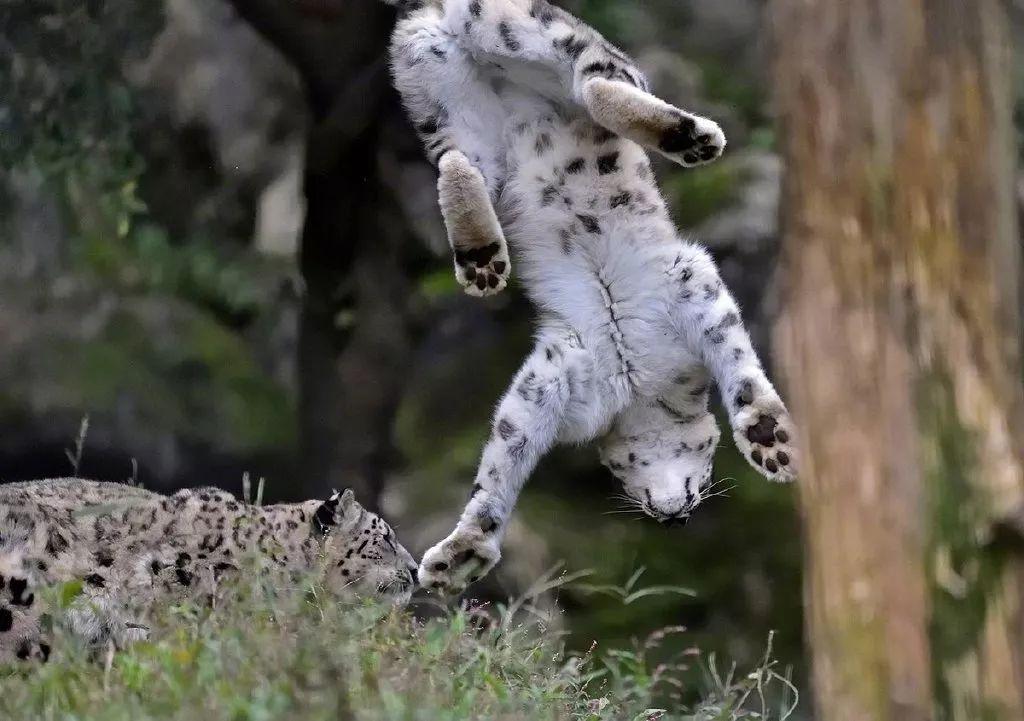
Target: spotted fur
x,y
539,128
131,548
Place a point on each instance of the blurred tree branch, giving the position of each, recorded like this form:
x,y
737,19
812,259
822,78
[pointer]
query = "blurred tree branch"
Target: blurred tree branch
x,y
307,35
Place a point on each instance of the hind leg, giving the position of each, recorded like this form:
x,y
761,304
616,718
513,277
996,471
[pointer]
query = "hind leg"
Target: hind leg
x,y
460,121
554,379
531,35
481,253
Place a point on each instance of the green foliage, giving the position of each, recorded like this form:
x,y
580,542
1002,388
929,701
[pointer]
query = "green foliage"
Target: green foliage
x,y
439,283
697,195
68,112
606,16
65,100
66,108
264,653
630,593
724,84
231,284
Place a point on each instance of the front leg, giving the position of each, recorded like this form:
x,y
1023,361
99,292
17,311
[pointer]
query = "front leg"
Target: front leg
x,y
710,323
528,420
633,113
481,254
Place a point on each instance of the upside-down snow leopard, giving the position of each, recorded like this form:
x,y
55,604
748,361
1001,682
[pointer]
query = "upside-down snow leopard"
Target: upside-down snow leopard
x,y
538,127
132,547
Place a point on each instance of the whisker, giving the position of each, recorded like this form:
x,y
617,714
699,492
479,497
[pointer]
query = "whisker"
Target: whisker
x,y
723,492
624,499
626,509
719,482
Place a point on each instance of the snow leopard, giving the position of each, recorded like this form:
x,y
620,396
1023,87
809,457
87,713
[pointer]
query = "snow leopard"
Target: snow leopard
x,y
539,128
131,548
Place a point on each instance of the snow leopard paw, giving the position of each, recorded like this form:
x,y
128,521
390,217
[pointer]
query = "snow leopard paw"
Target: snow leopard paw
x,y
764,433
483,271
466,556
692,140
683,137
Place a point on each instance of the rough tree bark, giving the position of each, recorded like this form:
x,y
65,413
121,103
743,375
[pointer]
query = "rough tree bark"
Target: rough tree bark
x,y
354,329
900,345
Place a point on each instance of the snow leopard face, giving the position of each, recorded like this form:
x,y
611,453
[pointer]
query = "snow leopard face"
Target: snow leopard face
x,y
664,473
362,553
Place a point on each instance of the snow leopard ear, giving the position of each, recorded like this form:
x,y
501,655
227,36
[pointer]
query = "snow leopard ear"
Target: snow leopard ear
x,y
346,500
331,512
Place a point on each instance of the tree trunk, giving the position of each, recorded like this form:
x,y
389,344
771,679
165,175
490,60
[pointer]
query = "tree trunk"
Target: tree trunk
x,y
354,334
900,344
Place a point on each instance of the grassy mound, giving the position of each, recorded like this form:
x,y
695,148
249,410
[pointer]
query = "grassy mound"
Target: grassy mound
x,y
295,654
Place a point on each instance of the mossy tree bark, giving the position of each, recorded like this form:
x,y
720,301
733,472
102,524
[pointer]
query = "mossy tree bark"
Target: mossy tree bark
x,y
900,344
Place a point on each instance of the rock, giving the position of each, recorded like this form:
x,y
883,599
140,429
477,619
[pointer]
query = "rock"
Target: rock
x,y
218,86
161,381
281,209
34,241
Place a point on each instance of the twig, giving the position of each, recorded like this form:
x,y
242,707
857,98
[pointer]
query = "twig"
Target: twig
x,y
76,458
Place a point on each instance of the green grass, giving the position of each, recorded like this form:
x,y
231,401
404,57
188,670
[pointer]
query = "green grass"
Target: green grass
x,y
295,654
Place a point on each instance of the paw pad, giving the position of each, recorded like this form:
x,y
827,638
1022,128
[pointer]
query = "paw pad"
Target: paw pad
x,y
763,438
692,141
482,271
763,432
680,137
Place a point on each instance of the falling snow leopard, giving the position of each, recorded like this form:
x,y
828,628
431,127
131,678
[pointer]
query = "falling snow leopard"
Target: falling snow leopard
x,y
539,128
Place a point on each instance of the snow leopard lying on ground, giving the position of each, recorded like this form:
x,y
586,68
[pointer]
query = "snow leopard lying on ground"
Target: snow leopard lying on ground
x,y
538,125
131,548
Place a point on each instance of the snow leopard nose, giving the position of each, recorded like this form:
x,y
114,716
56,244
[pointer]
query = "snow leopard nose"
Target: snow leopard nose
x,y
680,520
